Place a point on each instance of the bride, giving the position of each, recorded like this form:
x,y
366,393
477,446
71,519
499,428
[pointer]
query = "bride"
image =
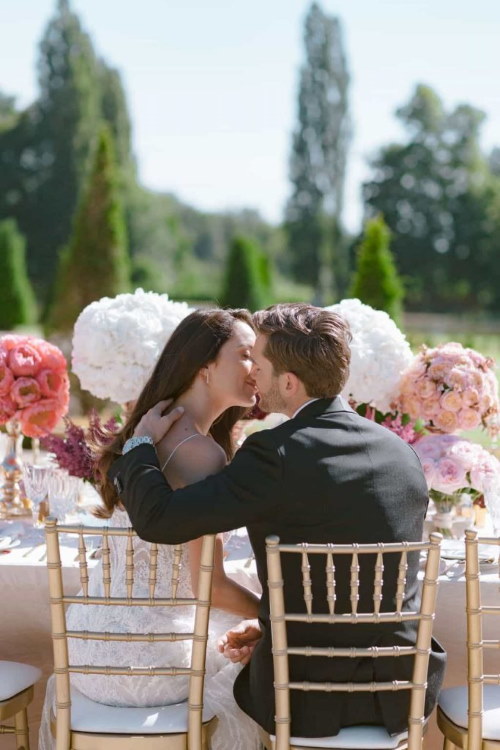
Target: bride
x,y
205,367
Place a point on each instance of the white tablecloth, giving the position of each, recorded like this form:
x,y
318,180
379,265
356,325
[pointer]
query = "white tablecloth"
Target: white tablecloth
x,y
25,615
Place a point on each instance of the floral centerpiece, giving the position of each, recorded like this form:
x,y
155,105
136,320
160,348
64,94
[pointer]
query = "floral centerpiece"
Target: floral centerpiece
x,y
117,341
451,388
454,466
379,354
34,395
34,386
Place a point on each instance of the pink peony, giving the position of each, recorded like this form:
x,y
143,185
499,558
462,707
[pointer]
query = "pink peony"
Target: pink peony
x,y
40,418
430,471
6,379
24,359
25,391
450,476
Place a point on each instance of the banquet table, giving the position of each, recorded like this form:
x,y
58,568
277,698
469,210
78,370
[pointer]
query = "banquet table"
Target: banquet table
x,y
25,615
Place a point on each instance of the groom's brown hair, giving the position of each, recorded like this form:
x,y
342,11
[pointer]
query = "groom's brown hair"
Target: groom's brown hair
x,y
309,341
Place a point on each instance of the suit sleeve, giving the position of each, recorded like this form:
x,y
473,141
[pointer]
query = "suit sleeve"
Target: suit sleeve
x,y
246,491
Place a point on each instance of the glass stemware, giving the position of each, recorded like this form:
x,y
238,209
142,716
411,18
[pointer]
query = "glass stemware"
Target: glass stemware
x,y
35,479
491,486
63,491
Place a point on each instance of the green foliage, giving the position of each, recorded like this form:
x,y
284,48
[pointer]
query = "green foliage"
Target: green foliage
x,y
441,198
96,263
318,158
376,281
17,304
247,281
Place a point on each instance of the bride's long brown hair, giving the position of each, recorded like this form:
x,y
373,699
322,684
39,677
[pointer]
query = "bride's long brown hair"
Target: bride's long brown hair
x,y
195,343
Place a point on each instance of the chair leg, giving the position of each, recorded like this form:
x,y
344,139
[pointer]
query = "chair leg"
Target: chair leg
x,y
448,744
22,733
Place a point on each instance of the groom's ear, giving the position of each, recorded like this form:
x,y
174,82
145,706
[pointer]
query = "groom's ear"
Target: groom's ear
x,y
290,383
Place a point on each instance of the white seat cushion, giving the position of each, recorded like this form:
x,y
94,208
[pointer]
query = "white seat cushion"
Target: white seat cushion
x,y
16,677
89,716
369,737
453,702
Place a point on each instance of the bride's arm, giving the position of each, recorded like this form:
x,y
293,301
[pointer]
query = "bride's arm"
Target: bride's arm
x,y
194,461
226,593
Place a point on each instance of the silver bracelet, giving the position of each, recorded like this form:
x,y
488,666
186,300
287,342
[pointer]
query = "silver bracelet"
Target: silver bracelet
x,y
133,442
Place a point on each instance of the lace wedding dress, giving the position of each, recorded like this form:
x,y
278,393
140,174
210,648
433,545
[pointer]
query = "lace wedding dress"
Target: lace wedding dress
x,y
234,728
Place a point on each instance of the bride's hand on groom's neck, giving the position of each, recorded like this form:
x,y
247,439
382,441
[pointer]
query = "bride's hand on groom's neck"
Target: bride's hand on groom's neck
x,y
154,425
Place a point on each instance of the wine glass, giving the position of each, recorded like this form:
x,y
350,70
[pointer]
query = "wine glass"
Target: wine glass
x,y
63,491
36,485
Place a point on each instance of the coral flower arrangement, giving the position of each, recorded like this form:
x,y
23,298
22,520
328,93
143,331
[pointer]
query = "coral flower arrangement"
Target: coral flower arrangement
x,y
34,386
451,388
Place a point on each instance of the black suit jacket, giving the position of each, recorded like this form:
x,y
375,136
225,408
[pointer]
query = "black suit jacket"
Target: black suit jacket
x,y
327,475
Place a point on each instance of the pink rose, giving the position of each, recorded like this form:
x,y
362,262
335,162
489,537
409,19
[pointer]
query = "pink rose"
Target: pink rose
x,y
425,388
446,421
429,446
430,407
470,397
52,382
6,379
468,419
52,357
451,401
7,409
10,340
439,371
484,471
24,359
457,378
40,418
25,391
450,476
411,405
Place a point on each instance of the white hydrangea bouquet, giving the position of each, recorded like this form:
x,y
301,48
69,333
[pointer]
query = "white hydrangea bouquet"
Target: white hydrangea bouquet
x,y
379,355
117,342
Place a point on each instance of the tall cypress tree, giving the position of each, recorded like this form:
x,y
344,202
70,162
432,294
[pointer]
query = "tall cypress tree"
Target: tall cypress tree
x,y
96,263
17,303
244,284
69,118
318,158
376,281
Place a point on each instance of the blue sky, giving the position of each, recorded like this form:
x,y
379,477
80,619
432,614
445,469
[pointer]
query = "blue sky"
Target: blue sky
x,y
211,85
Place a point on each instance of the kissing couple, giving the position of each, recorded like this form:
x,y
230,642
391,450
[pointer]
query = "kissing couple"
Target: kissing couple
x,y
325,475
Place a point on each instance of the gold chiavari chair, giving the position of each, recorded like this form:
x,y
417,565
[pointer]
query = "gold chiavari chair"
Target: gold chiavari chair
x,y
16,693
469,716
87,725
362,736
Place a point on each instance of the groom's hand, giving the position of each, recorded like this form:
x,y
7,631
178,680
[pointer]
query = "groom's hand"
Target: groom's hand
x,y
154,425
238,644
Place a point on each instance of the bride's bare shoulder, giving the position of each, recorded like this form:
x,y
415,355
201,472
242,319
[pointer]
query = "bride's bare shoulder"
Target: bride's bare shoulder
x,y
188,455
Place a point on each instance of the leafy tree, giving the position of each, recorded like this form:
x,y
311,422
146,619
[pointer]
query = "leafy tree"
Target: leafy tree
x,y
17,303
96,262
438,194
318,158
243,284
376,280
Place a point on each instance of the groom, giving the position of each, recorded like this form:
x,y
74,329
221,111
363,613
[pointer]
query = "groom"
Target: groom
x,y
325,475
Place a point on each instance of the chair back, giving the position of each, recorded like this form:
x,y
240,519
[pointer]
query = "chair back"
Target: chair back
x,y
424,616
476,644
59,599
